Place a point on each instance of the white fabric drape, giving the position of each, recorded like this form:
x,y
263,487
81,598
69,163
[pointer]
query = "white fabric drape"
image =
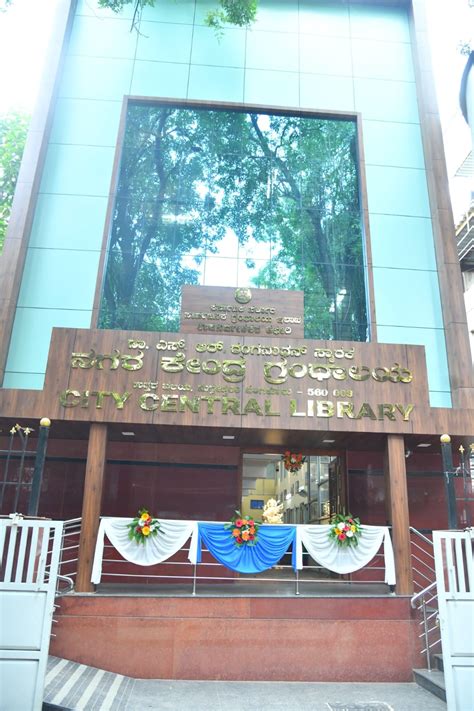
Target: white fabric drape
x,y
174,534
170,539
341,559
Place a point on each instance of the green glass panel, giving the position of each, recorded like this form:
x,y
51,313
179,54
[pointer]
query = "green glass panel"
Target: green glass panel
x,y
236,198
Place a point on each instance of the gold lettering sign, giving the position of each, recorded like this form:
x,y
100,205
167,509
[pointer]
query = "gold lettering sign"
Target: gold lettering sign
x,y
173,378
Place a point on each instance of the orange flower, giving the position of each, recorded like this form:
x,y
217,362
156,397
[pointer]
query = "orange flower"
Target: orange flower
x,y
252,530
245,535
236,532
146,530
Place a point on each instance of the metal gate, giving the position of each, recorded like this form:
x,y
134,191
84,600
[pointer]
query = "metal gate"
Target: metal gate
x,y
454,564
29,557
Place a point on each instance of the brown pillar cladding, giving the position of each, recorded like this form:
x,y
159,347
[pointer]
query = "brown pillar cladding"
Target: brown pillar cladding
x,y
397,495
91,504
450,280
13,257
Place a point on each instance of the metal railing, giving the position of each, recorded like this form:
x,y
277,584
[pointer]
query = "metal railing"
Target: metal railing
x,y
68,560
211,577
69,552
425,599
422,559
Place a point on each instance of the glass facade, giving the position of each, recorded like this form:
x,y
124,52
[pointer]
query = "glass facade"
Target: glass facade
x,y
220,197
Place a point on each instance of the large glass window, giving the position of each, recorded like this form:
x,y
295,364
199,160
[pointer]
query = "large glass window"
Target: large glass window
x,y
236,198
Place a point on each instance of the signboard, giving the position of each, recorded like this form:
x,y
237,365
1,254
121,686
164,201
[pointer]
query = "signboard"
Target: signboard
x,y
220,311
227,381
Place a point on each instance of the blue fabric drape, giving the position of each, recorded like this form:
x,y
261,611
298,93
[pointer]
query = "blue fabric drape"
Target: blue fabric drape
x,y
272,543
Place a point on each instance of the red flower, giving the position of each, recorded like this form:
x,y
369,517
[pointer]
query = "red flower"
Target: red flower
x,y
239,523
250,522
342,536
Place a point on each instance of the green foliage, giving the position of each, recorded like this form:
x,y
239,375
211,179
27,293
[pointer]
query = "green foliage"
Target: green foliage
x,y
232,12
282,189
13,132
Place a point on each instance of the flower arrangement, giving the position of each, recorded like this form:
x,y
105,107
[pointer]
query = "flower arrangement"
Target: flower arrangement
x,y
272,512
244,529
293,462
143,527
345,530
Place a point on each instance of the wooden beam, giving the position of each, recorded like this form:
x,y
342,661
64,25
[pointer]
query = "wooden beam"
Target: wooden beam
x,y
397,496
93,486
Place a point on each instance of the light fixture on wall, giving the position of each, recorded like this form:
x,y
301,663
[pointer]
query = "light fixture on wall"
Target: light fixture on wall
x,y
408,453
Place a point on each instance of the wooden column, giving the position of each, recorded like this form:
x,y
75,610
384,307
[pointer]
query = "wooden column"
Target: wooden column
x,y
91,503
397,495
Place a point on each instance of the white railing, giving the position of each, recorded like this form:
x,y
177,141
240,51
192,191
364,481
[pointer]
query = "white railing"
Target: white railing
x,y
29,560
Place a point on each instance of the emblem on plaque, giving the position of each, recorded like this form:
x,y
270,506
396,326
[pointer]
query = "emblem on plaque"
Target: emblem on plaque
x,y
243,296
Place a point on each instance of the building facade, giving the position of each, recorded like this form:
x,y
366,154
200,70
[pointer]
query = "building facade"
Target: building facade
x,y
245,246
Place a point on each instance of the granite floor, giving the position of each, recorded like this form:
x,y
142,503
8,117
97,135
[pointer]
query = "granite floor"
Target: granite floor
x,y
81,688
247,588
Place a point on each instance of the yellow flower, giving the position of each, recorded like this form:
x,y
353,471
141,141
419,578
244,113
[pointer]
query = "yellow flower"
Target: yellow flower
x,y
353,528
335,530
144,516
146,530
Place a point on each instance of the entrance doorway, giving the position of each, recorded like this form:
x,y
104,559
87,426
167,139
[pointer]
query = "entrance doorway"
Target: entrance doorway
x,y
313,494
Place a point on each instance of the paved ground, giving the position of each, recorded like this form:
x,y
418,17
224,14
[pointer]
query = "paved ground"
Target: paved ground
x,y
75,686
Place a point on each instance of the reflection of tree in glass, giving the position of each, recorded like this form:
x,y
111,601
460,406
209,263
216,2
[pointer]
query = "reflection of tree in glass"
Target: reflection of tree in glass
x,y
189,176
304,197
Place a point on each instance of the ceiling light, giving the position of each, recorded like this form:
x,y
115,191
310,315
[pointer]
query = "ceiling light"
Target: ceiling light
x,y
228,436
329,441
424,444
128,434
